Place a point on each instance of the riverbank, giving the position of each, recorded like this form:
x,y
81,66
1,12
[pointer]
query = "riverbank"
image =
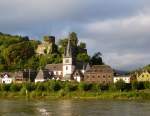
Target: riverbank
x,y
73,90
130,95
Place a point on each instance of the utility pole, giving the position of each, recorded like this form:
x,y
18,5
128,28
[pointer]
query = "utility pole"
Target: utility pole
x,y
29,75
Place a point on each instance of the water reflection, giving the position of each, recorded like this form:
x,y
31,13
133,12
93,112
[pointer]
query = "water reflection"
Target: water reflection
x,y
73,108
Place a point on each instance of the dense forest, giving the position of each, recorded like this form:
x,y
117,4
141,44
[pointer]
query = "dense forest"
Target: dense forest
x,y
18,52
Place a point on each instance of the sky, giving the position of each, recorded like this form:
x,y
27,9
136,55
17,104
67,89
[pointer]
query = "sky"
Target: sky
x,y
119,29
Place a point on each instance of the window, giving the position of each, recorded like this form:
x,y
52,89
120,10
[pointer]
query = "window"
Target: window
x,y
66,67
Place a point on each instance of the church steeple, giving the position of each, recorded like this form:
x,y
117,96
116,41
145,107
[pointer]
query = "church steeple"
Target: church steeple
x,y
68,51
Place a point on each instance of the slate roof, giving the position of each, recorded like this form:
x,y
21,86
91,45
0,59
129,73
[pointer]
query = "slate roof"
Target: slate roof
x,y
99,68
42,74
56,67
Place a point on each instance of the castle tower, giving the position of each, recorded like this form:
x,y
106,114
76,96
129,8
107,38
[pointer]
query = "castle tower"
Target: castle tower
x,y
68,66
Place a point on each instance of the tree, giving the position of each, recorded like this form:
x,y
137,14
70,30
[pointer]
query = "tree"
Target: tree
x,y
96,59
83,57
120,85
74,39
82,45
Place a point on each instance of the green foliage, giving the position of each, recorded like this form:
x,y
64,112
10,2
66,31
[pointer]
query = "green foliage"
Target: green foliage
x,y
84,86
147,85
83,57
70,87
137,85
96,59
55,86
5,87
15,87
82,45
74,39
121,85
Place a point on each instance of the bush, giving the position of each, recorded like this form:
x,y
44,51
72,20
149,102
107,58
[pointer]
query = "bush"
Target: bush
x,y
68,87
96,87
84,86
112,87
5,87
55,86
40,87
15,87
104,87
137,85
23,91
147,85
29,86
121,85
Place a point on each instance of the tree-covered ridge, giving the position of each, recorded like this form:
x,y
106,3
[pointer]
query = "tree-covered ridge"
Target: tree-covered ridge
x,y
17,52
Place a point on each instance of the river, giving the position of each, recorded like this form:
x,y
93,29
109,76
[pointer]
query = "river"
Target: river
x,y
74,108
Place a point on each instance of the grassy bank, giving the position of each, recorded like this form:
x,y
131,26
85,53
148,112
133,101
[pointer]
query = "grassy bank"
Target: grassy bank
x,y
73,90
130,95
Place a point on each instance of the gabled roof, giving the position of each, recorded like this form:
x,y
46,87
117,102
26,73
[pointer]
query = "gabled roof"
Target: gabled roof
x,y
42,74
76,71
100,68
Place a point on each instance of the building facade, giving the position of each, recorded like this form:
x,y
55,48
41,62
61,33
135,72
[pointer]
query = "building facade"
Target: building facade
x,y
126,79
102,74
143,76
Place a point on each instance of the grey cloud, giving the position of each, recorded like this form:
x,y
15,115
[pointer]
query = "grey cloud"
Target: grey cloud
x,y
117,28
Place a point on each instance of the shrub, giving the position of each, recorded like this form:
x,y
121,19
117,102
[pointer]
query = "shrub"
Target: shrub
x,y
68,87
84,86
137,85
147,85
96,87
104,87
29,86
112,87
121,85
40,87
15,87
5,87
55,86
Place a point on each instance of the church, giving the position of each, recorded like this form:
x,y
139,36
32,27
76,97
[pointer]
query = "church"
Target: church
x,y
68,70
71,70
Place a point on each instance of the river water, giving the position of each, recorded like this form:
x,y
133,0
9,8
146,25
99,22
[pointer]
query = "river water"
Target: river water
x,y
74,108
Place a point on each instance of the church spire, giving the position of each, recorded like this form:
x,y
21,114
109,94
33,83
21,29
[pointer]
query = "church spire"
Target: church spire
x,y
68,52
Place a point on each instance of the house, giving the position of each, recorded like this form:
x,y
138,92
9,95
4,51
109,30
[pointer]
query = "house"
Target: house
x,y
25,76
78,75
43,75
143,76
126,79
102,74
6,79
55,70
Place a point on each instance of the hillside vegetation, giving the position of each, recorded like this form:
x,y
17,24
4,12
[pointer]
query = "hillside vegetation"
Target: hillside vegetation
x,y
17,52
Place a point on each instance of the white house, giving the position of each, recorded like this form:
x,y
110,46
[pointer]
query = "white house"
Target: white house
x,y
6,79
126,79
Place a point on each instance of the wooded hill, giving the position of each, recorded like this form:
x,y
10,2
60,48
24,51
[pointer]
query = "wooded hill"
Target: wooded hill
x,y
17,52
